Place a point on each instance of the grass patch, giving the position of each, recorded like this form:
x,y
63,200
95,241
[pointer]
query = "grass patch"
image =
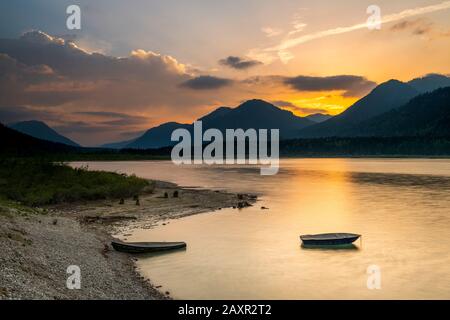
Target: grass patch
x,y
10,208
4,212
36,182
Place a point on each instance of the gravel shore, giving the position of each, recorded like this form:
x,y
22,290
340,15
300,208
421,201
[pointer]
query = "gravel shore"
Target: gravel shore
x,y
38,245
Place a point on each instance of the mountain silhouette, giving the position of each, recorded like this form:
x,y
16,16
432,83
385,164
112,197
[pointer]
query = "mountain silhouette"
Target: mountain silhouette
x,y
425,115
40,130
117,145
387,96
16,143
257,114
157,137
318,117
430,83
219,112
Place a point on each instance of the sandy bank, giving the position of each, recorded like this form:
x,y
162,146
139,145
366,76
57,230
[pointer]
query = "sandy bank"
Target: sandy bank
x,y
39,245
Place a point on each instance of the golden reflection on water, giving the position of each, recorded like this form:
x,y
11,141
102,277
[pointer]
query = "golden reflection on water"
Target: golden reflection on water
x,y
401,207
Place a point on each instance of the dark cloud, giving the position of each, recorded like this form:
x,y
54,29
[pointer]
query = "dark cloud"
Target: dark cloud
x,y
80,127
263,80
126,121
402,25
38,69
103,114
415,26
115,118
420,27
281,103
206,83
65,58
86,128
239,63
352,85
10,114
20,83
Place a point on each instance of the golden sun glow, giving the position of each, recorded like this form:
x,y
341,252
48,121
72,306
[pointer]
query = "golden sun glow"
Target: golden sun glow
x,y
303,104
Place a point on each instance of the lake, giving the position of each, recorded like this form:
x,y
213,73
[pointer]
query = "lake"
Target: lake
x,y
400,206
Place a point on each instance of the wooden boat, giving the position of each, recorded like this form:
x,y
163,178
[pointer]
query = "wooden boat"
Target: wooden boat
x,y
329,238
146,247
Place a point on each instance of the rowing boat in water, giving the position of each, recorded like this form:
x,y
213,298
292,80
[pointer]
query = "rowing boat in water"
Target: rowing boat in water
x,y
146,247
329,238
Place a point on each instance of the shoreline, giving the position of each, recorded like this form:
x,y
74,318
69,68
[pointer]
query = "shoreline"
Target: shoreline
x,y
282,156
41,243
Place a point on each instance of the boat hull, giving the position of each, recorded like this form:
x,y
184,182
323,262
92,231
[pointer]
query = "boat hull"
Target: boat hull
x,y
146,247
329,239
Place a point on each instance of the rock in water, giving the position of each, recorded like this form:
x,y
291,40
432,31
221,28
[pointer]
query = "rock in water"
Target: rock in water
x,y
243,204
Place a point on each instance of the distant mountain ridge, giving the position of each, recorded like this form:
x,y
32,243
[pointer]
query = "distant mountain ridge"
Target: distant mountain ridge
x,y
385,97
157,137
425,115
318,117
430,82
17,143
117,145
219,112
259,114
255,114
41,130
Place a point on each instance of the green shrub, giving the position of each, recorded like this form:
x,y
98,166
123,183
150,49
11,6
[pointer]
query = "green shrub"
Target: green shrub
x,y
35,182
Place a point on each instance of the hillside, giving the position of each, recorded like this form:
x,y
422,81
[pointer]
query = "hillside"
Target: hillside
x,y
17,143
385,97
257,114
40,130
425,115
318,117
430,83
157,137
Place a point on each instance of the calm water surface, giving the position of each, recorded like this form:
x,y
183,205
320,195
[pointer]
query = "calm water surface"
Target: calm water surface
x,y
402,208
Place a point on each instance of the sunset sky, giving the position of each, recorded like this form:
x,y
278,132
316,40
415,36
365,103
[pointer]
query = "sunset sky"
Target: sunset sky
x,y
136,64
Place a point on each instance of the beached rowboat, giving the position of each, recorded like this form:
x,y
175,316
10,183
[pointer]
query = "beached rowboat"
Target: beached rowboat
x,y
329,238
145,247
